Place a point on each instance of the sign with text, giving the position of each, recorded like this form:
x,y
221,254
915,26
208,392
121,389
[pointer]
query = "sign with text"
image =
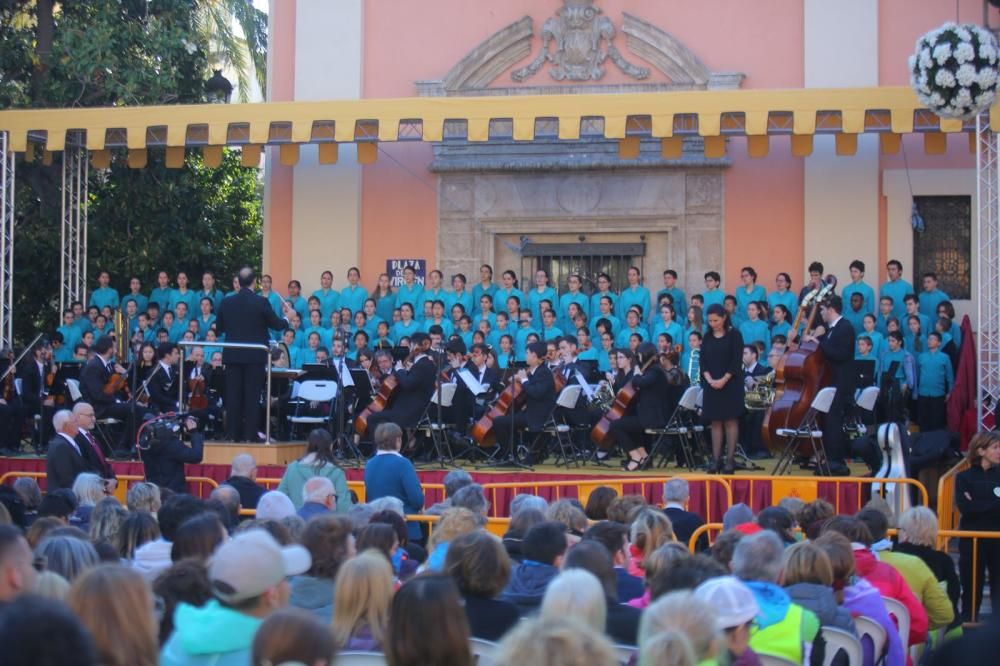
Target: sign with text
x,y
394,267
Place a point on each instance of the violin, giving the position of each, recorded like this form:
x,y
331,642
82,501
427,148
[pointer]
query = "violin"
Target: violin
x,y
601,433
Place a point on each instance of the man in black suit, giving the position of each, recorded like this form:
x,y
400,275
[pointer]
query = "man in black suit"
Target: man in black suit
x,y
93,378
90,448
416,384
65,459
246,317
753,420
34,394
167,454
836,339
540,397
676,493
162,384
466,405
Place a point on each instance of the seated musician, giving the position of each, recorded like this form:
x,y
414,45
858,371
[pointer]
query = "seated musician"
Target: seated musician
x,y
573,372
540,392
752,420
11,409
35,398
162,382
97,374
416,378
650,408
475,382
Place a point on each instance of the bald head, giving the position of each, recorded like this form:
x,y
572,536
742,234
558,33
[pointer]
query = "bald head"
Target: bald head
x,y
230,498
246,277
244,465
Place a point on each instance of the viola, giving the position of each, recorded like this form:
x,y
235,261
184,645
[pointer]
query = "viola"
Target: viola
x,y
601,433
197,399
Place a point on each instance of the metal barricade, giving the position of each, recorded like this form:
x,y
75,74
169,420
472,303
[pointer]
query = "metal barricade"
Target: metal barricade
x,y
124,481
943,539
585,486
838,481
235,345
947,509
707,528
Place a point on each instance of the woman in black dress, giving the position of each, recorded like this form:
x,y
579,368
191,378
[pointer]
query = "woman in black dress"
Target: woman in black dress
x,y
722,381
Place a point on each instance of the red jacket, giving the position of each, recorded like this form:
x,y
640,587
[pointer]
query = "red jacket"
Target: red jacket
x,y
890,583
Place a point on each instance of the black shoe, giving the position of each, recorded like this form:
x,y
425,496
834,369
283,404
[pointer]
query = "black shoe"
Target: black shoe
x,y
759,455
729,468
839,469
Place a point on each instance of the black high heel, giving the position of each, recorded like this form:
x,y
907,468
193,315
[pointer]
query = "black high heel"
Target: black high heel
x,y
627,464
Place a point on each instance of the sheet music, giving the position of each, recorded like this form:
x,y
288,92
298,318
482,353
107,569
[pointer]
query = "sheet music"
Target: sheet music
x,y
471,381
345,375
587,388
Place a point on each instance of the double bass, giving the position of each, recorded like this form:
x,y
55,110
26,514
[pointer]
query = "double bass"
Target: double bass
x,y
508,401
800,374
601,433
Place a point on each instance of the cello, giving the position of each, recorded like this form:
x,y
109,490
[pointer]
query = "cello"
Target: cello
x,y
800,374
601,433
386,390
510,400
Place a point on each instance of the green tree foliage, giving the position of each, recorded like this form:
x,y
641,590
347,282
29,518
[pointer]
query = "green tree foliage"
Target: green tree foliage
x,y
114,53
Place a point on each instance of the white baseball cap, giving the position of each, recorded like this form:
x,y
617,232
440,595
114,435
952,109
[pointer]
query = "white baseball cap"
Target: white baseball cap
x,y
251,563
733,601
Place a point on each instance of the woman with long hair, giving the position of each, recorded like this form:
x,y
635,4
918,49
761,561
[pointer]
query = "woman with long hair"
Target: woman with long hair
x,y
361,604
319,460
485,284
139,528
427,626
115,604
721,364
385,297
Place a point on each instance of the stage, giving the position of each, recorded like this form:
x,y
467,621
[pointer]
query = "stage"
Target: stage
x,y
710,495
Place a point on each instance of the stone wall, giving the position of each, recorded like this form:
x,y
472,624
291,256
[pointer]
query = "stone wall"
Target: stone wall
x,y
678,210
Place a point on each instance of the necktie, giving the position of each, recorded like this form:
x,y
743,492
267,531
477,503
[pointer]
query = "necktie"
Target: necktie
x,y
97,450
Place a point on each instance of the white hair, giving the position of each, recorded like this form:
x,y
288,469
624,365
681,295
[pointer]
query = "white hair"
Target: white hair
x,y
676,490
78,407
61,418
274,505
524,501
317,489
243,465
759,557
675,628
388,503
577,593
88,488
918,525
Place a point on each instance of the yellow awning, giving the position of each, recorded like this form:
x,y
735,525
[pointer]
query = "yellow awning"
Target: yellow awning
x,y
669,116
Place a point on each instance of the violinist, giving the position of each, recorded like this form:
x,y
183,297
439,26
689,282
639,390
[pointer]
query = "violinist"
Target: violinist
x,y
98,385
650,408
475,382
573,372
161,384
10,410
34,390
203,403
141,369
539,387
416,376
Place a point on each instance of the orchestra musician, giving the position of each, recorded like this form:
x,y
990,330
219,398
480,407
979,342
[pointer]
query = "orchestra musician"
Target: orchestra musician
x,y
248,318
540,389
35,396
573,372
416,378
11,409
161,385
650,408
95,377
753,420
470,402
836,339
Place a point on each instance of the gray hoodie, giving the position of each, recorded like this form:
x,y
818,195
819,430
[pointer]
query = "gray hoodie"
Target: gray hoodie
x,y
820,600
312,594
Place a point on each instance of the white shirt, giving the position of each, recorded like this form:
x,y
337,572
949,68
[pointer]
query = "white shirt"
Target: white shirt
x,y
382,452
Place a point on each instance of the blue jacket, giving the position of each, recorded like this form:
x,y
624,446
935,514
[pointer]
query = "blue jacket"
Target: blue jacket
x,y
392,475
527,585
212,634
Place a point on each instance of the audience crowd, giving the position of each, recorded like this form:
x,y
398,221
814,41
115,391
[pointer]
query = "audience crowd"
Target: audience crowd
x,y
173,579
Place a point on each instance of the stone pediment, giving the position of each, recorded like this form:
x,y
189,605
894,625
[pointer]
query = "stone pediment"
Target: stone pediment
x,y
577,45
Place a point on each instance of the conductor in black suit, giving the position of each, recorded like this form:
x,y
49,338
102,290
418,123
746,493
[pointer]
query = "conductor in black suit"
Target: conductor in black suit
x,y
246,317
836,339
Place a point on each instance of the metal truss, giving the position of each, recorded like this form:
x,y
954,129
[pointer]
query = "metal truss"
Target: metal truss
x,y
73,266
988,255
6,242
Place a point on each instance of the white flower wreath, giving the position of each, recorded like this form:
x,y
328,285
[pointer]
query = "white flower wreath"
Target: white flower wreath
x,y
953,70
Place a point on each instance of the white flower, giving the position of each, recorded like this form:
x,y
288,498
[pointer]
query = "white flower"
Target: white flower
x,y
985,100
942,52
987,78
988,51
963,97
964,52
944,78
936,100
963,34
966,75
925,58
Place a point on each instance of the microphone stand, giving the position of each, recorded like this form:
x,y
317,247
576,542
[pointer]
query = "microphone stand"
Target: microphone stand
x,y
342,443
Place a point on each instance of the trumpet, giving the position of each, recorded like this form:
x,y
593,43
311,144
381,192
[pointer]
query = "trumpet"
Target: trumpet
x,y
759,392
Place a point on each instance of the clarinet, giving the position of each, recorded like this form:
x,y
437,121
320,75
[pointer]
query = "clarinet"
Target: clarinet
x,y
694,366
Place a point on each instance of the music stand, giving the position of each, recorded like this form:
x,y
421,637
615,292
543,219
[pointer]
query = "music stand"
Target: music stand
x,y
343,444
864,373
